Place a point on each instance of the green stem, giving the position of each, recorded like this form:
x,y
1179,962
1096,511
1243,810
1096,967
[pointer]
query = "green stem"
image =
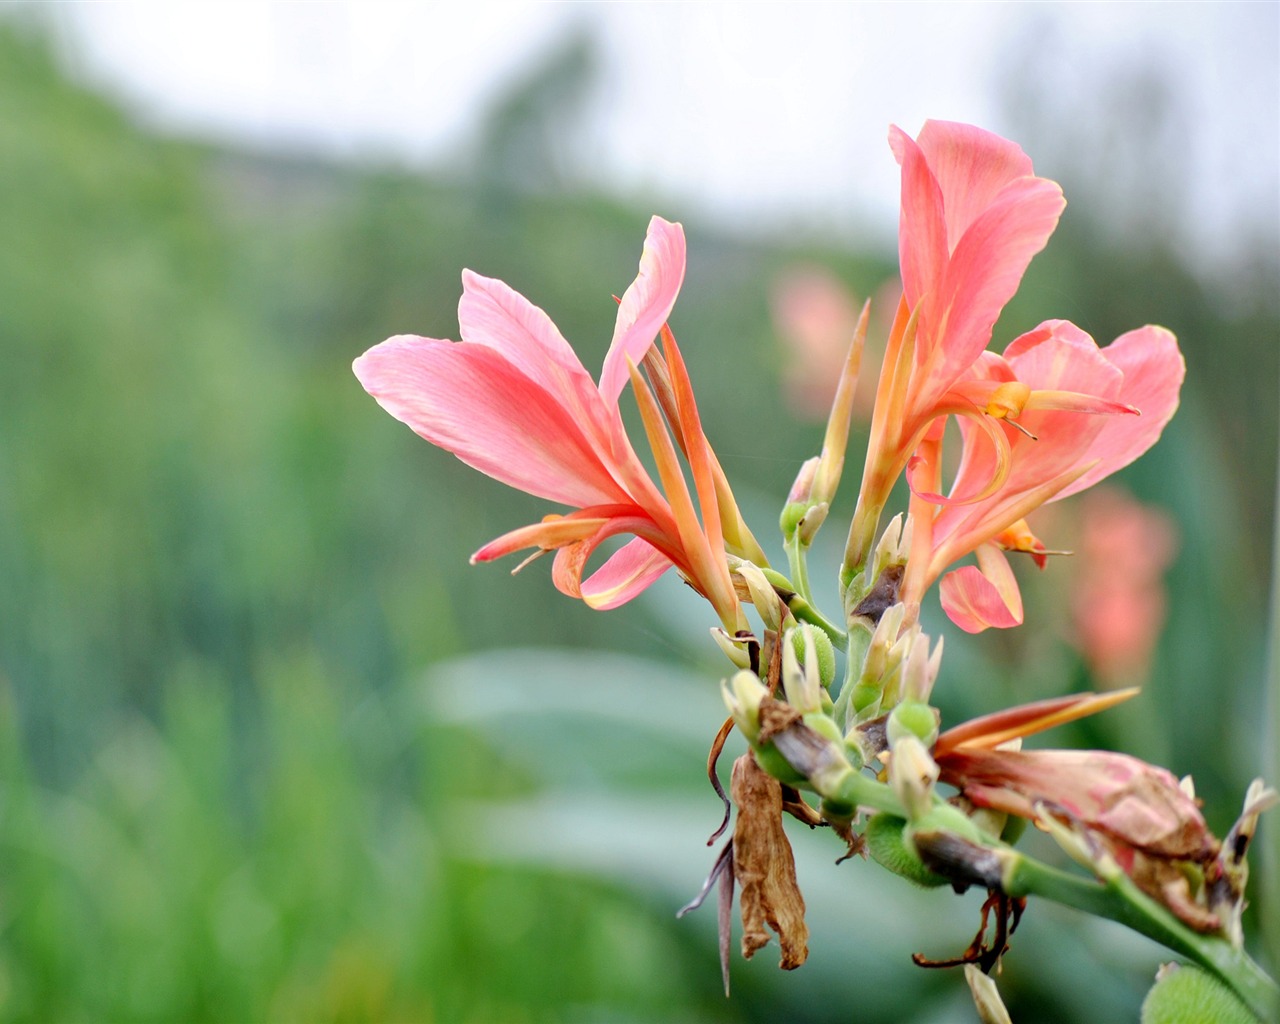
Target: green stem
x,y
797,559
1118,899
803,610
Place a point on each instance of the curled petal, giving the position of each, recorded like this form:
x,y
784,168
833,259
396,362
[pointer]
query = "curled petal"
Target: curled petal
x,y
553,532
985,467
646,305
631,569
621,580
983,596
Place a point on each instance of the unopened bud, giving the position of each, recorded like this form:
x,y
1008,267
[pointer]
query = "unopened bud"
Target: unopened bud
x,y
802,489
921,669
768,605
735,648
743,695
800,681
916,719
912,774
814,518
986,997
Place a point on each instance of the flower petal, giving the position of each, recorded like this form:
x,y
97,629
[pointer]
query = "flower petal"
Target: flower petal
x,y
1153,372
978,597
493,314
972,167
472,401
646,305
631,569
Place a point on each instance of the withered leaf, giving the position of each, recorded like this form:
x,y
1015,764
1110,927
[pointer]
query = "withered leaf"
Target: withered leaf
x,y
764,866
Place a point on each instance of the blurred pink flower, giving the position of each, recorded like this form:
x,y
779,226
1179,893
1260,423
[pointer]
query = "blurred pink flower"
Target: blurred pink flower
x,y
815,317
1118,595
513,400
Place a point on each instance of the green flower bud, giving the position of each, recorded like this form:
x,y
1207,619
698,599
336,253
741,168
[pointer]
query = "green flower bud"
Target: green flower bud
x,y
742,696
911,718
824,652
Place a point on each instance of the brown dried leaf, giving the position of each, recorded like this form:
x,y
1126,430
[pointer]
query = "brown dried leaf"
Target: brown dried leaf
x,y
764,867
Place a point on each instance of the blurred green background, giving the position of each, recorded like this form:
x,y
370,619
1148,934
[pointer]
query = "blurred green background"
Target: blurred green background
x,y
271,750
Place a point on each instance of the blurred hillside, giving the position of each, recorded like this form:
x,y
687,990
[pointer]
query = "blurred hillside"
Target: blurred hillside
x,y
224,571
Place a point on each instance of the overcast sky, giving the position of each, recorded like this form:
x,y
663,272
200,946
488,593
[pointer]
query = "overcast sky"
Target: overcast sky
x,y
741,111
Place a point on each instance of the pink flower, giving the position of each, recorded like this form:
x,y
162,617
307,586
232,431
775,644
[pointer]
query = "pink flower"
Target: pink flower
x,y
1053,450
1050,417
972,217
513,400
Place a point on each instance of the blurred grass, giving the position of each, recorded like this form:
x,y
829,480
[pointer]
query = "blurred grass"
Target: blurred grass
x,y
228,792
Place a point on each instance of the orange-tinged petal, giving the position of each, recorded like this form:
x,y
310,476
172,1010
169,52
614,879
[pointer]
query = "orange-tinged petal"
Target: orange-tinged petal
x,y
698,453
989,731
553,532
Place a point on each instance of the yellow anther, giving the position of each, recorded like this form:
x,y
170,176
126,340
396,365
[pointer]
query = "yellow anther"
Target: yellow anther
x,y
1008,400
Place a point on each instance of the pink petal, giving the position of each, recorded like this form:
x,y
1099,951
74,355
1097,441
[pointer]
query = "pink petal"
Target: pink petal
x,y
922,229
971,166
631,569
984,272
470,400
493,314
1153,372
646,305
983,596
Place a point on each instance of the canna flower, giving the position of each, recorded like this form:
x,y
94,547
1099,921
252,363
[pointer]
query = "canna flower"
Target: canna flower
x,y
972,216
1049,417
1053,450
513,400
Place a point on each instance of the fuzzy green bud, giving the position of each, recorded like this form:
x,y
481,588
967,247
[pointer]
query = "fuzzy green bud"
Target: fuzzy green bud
x,y
743,695
1183,994
823,651
888,848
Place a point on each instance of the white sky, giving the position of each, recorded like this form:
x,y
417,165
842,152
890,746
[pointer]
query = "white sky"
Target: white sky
x,y
744,110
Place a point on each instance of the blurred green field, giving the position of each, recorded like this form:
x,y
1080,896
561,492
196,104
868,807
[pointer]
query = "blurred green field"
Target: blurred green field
x,y
271,750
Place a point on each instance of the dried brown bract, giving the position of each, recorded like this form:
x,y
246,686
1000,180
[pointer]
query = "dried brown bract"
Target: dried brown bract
x,y
764,867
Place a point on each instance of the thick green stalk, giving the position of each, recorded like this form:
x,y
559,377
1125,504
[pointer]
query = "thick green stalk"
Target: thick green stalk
x,y
1117,898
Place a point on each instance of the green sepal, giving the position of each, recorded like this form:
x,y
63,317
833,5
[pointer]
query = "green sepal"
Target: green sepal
x,y
1013,829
